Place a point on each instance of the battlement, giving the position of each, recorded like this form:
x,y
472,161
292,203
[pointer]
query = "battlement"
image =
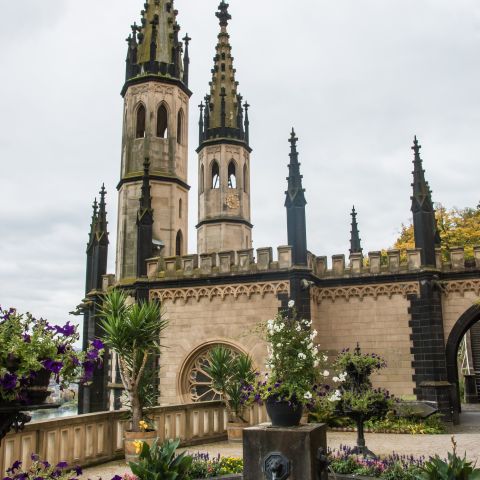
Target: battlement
x,y
221,263
375,265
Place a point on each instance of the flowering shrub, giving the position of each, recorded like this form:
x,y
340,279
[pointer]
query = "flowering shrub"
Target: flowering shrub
x,y
394,467
30,346
205,467
295,367
42,470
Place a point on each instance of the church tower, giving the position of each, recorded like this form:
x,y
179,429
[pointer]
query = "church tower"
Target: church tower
x,y
223,156
155,127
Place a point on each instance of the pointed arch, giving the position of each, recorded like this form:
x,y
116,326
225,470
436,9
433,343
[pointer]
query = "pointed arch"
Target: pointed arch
x,y
162,121
179,244
202,179
180,127
215,175
245,178
140,121
232,174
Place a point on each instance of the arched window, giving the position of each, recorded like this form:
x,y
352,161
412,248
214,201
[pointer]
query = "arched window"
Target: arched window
x,y
215,175
202,179
141,116
245,179
180,127
162,122
180,208
232,175
179,244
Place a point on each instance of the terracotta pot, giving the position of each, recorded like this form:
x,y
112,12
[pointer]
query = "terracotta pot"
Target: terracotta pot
x,y
284,413
235,431
129,438
37,391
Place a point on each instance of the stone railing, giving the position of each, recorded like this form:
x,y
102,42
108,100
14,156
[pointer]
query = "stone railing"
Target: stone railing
x,y
357,266
98,437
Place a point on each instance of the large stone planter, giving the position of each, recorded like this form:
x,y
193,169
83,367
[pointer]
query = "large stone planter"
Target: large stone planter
x,y
129,442
235,431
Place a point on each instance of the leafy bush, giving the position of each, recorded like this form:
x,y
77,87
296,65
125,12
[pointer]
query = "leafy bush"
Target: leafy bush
x,y
42,470
159,462
453,468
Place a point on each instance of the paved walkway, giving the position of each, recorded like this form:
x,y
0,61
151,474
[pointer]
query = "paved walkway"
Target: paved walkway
x,y
467,437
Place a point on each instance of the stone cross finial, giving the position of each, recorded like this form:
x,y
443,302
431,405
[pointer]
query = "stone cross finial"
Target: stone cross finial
x,y
293,138
223,14
186,39
416,147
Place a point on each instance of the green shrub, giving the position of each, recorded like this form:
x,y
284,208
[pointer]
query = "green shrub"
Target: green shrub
x,y
159,462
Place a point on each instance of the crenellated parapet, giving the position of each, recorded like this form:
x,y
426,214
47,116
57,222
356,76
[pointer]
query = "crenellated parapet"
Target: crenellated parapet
x,y
376,264
221,263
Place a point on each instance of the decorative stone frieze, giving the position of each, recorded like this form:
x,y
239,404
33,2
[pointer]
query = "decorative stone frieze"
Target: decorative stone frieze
x,y
461,286
362,291
221,291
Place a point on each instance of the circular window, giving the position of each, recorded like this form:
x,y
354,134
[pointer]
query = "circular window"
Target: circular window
x,y
196,383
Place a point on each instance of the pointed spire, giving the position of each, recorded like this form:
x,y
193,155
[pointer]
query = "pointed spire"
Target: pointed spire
x,y
424,223
246,106
93,225
186,59
101,232
295,204
295,188
355,242
201,124
224,106
154,47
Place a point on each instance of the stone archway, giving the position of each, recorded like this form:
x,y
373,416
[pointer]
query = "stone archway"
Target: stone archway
x,y
464,323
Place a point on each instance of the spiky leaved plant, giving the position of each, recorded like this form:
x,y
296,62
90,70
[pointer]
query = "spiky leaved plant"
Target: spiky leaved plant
x,y
133,332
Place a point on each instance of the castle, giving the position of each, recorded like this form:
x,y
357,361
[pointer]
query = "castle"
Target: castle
x,y
415,314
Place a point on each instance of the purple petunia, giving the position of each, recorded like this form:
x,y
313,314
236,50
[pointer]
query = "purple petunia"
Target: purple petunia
x,y
67,330
62,465
52,366
9,381
61,349
27,338
98,344
78,470
92,354
117,477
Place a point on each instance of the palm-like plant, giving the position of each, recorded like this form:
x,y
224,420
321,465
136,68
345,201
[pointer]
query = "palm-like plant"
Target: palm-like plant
x,y
133,331
230,372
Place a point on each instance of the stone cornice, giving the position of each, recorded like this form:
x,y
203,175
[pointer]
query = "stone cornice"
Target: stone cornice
x,y
318,294
461,286
220,291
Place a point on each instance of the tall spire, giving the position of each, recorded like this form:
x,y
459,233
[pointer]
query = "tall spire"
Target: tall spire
x,y
355,242
224,104
186,59
101,232
91,235
295,204
424,222
144,223
154,47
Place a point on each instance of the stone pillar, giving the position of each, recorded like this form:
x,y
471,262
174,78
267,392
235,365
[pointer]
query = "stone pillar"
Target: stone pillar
x,y
375,259
295,449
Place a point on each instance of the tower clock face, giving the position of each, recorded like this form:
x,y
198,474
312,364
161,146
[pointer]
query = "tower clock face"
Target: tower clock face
x,y
233,201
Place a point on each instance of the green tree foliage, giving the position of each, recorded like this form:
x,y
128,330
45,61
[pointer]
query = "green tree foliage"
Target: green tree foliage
x,y
458,228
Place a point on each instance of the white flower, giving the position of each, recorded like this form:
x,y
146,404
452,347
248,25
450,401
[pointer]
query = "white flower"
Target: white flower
x,y
302,356
310,346
279,345
313,334
298,328
336,396
291,304
343,376
316,363
307,396
336,379
325,358
326,373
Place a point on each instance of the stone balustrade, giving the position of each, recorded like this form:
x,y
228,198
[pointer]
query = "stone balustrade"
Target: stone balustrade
x,y
98,438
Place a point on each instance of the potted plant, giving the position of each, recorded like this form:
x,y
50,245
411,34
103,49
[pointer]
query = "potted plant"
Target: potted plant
x,y
295,369
133,331
356,398
33,351
230,373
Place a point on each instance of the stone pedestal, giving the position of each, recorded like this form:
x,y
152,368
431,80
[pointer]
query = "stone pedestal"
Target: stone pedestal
x,y
296,448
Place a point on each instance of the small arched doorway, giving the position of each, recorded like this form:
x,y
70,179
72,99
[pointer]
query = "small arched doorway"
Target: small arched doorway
x,y
463,325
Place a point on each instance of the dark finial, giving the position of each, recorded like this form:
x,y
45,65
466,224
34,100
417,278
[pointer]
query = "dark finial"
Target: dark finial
x,y
416,147
186,39
355,242
223,14
293,138
358,350
103,192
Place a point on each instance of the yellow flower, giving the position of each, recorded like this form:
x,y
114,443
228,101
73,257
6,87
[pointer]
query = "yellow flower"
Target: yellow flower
x,y
138,444
143,425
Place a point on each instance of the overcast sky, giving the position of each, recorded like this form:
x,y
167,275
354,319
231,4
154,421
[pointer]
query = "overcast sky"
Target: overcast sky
x,y
357,79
